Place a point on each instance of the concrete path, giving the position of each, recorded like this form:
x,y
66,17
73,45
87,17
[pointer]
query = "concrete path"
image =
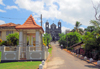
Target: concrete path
x,y
62,60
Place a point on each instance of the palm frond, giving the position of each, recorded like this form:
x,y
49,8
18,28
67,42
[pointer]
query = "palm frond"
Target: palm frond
x,y
95,23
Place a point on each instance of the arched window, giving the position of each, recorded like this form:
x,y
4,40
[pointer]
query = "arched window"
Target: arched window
x,y
47,25
59,25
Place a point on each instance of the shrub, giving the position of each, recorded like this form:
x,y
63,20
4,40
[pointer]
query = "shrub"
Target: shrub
x,y
46,39
0,40
13,39
0,43
3,43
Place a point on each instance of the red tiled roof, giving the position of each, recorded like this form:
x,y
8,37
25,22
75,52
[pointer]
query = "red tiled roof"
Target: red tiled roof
x,y
77,44
29,24
9,25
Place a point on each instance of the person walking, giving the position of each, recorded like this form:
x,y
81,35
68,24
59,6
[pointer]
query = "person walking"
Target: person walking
x,y
61,46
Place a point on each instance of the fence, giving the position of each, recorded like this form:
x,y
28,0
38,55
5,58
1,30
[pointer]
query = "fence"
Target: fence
x,y
9,53
30,53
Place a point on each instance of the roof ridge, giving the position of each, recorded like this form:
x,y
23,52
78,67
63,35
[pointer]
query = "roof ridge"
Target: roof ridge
x,y
33,21
29,24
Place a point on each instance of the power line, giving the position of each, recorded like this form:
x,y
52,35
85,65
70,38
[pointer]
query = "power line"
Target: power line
x,y
12,18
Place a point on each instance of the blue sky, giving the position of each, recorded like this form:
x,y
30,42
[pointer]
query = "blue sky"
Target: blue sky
x,y
68,12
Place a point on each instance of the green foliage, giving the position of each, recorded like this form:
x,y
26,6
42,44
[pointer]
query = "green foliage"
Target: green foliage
x,y
77,29
3,43
46,39
73,38
68,48
92,44
60,35
77,24
62,39
70,39
50,50
90,29
13,39
96,25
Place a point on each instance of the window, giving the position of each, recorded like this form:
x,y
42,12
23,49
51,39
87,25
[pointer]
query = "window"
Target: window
x,y
6,32
9,32
47,25
59,25
0,33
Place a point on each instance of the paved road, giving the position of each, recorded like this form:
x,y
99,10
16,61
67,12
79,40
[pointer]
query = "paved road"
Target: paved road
x,y
63,60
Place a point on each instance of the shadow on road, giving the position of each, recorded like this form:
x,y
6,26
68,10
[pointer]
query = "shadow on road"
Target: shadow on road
x,y
91,66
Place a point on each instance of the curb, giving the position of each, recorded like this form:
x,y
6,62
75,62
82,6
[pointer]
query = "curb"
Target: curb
x,y
82,58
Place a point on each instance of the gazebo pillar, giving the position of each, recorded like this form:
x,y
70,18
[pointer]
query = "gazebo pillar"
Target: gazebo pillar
x,y
25,39
21,38
37,40
31,40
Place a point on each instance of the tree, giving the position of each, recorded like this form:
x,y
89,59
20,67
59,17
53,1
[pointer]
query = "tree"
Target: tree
x,y
73,38
13,39
96,24
91,44
77,29
46,39
97,9
62,40
90,29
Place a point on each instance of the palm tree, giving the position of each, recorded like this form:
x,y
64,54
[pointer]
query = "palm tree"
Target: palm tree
x,y
77,29
96,24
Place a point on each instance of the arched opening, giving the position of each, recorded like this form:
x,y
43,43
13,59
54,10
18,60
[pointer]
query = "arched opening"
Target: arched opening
x,y
53,38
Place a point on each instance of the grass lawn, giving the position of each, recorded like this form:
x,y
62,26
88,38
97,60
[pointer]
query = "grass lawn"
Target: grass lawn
x,y
50,50
0,56
20,65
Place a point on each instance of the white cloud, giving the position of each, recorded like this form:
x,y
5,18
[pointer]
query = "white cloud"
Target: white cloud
x,y
11,7
63,29
2,10
2,22
69,10
2,3
35,6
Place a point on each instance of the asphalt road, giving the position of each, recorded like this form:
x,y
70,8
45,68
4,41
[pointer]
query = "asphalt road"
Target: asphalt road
x,y
62,60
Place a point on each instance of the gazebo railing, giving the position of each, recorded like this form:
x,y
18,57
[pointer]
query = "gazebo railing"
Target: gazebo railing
x,y
34,48
10,48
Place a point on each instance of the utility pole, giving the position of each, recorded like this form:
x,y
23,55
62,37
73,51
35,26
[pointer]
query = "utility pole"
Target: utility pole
x,y
41,34
41,19
67,40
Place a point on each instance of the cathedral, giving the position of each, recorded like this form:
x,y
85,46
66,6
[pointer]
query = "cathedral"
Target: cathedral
x,y
53,30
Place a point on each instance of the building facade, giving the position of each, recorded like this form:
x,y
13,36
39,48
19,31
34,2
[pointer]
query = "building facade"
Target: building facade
x,y
6,29
53,30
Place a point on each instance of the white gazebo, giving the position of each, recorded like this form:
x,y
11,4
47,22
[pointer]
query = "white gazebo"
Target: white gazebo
x,y
34,50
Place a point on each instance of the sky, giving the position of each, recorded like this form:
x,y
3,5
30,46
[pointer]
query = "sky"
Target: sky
x,y
67,11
